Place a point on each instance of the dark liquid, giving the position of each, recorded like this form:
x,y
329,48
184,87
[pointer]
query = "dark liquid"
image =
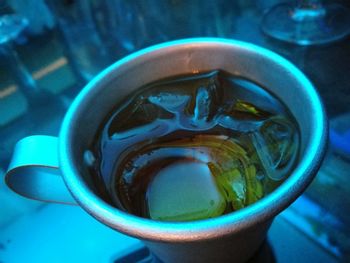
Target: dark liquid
x,y
194,147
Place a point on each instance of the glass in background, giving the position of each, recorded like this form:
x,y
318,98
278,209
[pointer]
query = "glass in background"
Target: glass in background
x,y
84,47
127,26
307,22
121,26
13,29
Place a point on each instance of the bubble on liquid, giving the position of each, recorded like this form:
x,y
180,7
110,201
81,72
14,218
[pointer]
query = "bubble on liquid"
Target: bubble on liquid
x,y
89,158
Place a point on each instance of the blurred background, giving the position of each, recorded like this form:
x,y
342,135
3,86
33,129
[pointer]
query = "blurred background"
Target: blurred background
x,y
50,49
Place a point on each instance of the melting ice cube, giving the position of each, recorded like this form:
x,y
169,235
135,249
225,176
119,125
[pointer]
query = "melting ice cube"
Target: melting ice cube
x,y
276,143
169,101
184,191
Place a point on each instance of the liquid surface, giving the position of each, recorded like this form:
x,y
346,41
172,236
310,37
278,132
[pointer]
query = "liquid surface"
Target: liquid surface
x,y
194,147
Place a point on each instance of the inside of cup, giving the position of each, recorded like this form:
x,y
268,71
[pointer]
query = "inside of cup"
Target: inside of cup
x,y
276,75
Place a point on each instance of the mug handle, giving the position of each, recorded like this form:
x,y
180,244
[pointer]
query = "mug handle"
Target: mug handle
x,y
34,170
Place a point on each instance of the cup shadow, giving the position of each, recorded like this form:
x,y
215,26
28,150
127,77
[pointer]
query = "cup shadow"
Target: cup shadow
x,y
265,254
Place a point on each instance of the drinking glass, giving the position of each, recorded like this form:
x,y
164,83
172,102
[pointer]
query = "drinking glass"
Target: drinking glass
x,y
307,22
11,26
84,47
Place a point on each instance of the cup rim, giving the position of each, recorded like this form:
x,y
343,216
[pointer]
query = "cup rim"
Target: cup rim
x,y
253,215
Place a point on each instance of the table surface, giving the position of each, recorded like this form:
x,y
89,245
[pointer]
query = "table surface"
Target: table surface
x,y
317,224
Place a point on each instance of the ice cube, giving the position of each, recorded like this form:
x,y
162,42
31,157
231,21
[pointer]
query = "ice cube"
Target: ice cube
x,y
173,103
244,126
206,106
184,191
276,143
204,100
140,115
250,92
203,105
155,128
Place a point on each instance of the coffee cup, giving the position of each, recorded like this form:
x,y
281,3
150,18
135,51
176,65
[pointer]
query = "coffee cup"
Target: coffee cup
x,y
52,169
